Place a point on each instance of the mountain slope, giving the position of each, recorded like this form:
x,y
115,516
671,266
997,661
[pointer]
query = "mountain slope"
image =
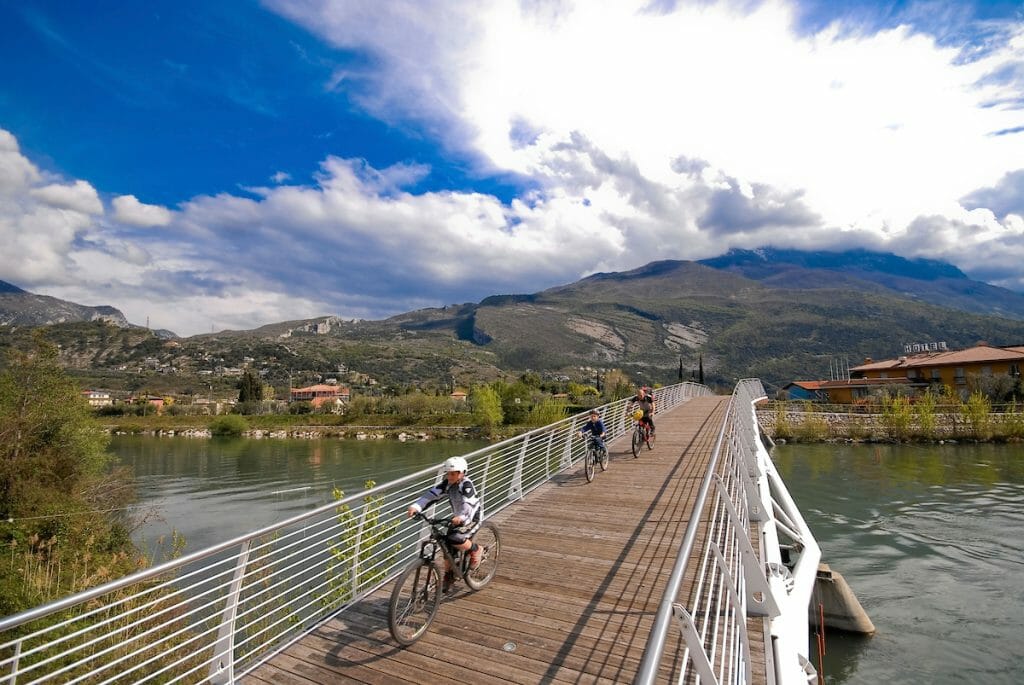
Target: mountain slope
x,y
923,280
21,308
648,322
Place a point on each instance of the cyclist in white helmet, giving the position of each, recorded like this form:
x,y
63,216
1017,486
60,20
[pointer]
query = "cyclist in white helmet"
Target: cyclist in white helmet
x,y
466,506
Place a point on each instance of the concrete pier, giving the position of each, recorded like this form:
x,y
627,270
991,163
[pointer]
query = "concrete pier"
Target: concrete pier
x,y
841,609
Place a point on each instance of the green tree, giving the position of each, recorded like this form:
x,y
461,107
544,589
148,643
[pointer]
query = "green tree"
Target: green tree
x,y
49,441
545,412
515,401
250,387
55,487
486,407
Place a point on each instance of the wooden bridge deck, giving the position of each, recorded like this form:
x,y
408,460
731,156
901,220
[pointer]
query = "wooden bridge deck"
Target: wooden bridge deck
x,y
583,570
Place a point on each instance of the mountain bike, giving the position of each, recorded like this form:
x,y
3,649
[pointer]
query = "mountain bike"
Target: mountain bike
x,y
642,435
596,454
417,592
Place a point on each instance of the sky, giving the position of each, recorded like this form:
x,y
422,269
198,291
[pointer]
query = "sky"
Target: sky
x,y
223,165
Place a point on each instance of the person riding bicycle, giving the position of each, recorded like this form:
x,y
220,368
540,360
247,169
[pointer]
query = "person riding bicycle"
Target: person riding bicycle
x,y
644,399
594,428
466,508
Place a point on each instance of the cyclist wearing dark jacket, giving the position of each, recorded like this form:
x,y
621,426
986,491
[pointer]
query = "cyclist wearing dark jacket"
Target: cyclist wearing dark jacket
x,y
644,399
466,510
595,428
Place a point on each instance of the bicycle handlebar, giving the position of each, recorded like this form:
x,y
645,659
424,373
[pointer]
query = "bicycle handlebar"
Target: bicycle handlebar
x,y
433,521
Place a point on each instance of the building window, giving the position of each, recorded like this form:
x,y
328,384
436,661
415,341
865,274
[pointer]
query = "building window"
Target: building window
x,y
1015,370
958,373
986,371
936,376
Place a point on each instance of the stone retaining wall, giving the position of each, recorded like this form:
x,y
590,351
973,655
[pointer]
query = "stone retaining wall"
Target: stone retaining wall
x,y
860,426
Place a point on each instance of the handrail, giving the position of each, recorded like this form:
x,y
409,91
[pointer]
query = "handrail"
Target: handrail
x,y
742,498
218,613
656,642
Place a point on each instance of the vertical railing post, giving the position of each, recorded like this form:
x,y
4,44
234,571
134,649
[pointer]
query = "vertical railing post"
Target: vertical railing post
x,y
222,667
515,490
355,549
12,678
483,486
547,456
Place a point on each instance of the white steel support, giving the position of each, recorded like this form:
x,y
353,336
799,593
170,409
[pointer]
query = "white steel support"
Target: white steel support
x,y
740,623
695,645
12,678
515,490
761,600
355,551
222,668
547,455
566,461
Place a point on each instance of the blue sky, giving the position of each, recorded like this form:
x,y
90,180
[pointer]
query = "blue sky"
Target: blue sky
x,y
226,165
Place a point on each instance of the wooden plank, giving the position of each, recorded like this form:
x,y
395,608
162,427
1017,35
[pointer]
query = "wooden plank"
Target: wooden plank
x,y
583,572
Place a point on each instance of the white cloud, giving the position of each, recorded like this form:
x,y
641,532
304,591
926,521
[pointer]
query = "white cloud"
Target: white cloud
x,y
78,197
39,220
869,130
128,210
16,172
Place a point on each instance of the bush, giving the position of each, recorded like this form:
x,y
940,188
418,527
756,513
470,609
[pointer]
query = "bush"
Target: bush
x,y
977,412
229,425
896,417
813,428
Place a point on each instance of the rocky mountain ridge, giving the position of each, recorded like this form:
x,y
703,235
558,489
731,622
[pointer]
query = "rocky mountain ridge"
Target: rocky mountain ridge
x,y
21,308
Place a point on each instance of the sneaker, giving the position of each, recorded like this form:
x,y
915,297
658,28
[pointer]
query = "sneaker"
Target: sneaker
x,y
449,580
476,557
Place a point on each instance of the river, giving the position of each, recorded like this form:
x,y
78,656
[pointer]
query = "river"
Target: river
x,y
931,539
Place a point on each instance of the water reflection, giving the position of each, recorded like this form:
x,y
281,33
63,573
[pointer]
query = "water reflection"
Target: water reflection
x,y
213,490
931,541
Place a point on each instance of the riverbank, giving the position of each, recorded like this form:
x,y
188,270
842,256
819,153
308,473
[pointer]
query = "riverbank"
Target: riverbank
x,y
401,434
808,423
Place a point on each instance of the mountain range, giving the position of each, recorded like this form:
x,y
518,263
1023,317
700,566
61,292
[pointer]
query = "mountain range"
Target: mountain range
x,y
776,314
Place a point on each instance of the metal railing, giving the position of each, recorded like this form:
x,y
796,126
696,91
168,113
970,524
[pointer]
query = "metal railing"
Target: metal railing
x,y
216,614
747,521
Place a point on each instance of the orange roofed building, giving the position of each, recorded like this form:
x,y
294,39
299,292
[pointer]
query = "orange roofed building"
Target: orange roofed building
x,y
319,394
933,369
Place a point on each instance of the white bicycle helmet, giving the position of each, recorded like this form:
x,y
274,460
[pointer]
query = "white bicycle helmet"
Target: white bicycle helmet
x,y
455,464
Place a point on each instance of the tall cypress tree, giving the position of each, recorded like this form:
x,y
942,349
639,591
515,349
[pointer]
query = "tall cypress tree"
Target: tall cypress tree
x,y
250,388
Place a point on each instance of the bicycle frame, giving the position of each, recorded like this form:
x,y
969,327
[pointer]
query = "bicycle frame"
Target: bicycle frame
x,y
438,540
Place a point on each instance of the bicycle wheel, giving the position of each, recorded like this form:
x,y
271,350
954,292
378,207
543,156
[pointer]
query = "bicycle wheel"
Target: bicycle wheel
x,y
604,458
414,602
588,464
490,541
650,439
637,440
